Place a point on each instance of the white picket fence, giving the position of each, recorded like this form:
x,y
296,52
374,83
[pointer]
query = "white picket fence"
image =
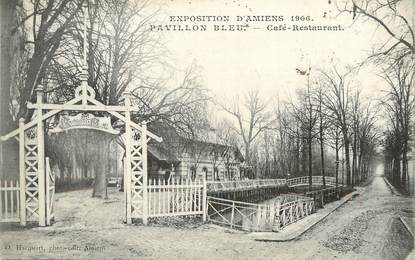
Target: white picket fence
x,y
9,201
176,197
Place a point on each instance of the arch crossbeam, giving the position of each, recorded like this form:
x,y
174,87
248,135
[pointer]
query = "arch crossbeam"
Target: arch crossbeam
x,y
72,106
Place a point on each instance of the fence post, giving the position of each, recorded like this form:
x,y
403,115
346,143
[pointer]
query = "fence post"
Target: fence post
x,y
144,162
48,202
277,216
22,174
233,213
204,199
272,214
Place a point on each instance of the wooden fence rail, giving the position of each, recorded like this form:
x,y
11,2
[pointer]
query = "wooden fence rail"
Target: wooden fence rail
x,y
214,186
9,201
244,184
259,217
240,215
324,196
292,211
316,180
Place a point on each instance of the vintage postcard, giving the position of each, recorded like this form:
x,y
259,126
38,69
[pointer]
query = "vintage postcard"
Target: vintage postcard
x,y
207,129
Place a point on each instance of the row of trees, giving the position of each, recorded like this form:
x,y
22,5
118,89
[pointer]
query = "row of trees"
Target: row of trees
x,y
330,111
306,135
394,62
399,104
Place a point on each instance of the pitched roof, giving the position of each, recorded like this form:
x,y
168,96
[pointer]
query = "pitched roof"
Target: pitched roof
x,y
174,144
161,153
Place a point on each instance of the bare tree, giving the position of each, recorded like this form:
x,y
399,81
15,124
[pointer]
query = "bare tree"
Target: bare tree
x,y
33,32
49,22
306,112
399,104
226,149
337,101
252,118
336,143
323,124
388,15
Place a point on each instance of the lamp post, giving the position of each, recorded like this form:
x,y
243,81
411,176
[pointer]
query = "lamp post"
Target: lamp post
x,y
310,126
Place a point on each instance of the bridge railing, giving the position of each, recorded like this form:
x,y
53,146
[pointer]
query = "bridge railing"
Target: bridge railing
x,y
213,186
245,184
326,195
259,217
316,180
240,215
290,212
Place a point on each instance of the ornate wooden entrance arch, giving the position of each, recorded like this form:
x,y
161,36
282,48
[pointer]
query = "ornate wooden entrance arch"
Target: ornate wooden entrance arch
x,y
32,168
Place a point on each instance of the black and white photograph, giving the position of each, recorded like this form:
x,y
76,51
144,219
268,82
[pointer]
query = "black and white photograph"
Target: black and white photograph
x,y
207,129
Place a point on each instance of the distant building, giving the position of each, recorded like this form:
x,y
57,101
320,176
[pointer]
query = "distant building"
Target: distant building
x,y
175,157
180,157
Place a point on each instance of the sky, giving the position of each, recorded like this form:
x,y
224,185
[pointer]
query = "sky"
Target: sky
x,y
235,61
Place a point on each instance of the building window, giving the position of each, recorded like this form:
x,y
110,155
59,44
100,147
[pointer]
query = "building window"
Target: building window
x,y
193,172
216,174
204,170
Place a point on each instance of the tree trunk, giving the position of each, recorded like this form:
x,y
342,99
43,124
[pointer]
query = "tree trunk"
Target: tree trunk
x,y
359,167
347,157
404,164
354,157
323,171
247,159
9,153
101,169
337,161
397,170
297,157
310,163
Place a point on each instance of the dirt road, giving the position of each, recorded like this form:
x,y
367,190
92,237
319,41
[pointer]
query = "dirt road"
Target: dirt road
x,y
365,228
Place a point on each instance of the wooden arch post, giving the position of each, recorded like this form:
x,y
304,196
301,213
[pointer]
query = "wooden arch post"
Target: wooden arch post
x,y
41,157
127,161
144,171
22,173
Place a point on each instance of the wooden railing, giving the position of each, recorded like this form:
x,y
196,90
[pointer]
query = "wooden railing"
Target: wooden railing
x,y
214,186
244,184
283,211
324,196
316,180
176,197
285,198
292,211
9,201
240,215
